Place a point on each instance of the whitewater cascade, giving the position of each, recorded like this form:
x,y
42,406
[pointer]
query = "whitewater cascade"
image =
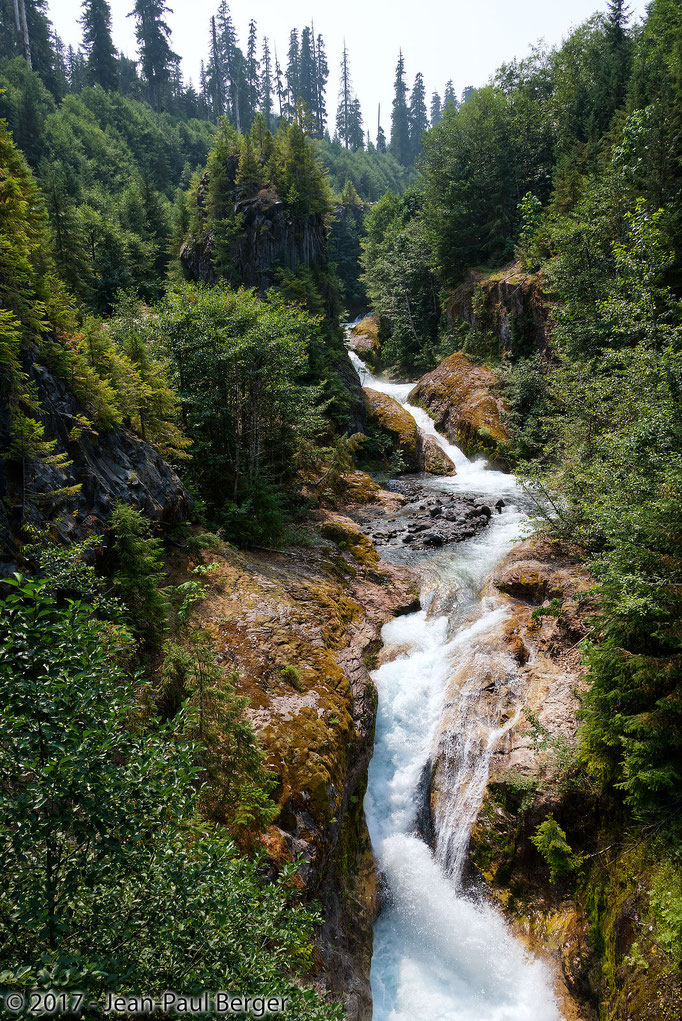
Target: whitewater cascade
x,y
439,953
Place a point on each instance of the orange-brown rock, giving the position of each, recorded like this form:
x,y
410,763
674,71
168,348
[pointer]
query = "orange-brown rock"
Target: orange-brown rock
x,y
300,628
364,340
460,397
387,414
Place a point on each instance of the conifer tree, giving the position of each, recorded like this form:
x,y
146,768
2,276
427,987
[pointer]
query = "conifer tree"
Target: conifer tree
x,y
37,42
216,78
450,97
98,44
381,139
158,60
266,84
252,75
419,121
230,55
436,110
307,86
344,111
322,76
279,85
400,118
293,73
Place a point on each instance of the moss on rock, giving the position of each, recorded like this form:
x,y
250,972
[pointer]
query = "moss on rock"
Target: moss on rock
x,y
390,417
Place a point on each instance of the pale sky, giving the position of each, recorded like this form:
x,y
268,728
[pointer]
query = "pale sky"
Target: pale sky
x,y
465,40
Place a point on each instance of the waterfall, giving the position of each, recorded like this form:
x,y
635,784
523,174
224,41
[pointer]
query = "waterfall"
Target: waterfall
x,y
441,954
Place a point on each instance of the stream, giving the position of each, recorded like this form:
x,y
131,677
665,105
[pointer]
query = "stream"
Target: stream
x,y
441,953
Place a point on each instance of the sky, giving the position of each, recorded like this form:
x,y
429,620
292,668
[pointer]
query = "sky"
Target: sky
x,y
462,40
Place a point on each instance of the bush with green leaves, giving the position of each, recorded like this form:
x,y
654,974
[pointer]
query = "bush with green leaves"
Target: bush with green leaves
x,y
110,880
551,842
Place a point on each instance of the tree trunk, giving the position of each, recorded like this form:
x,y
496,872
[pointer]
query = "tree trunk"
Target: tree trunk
x,y
24,29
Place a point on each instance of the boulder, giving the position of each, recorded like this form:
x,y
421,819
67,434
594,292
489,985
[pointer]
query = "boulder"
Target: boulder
x,y
459,396
364,340
436,461
387,414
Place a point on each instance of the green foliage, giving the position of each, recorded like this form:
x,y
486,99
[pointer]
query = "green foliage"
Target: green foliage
x,y
401,284
666,905
110,881
238,363
138,571
551,842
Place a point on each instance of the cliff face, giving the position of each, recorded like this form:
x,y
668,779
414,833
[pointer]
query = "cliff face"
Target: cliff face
x,y
509,304
264,237
109,467
302,630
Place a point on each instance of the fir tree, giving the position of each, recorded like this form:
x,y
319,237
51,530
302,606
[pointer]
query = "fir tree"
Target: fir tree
x,y
322,76
381,139
279,86
400,118
216,77
230,55
307,86
436,110
419,121
37,42
158,60
467,93
450,97
293,73
252,75
266,84
345,108
98,44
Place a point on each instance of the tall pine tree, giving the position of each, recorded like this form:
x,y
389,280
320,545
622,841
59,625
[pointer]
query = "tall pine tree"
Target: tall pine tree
x,y
419,121
400,117
252,76
157,58
436,110
322,77
293,73
450,98
307,85
266,83
98,44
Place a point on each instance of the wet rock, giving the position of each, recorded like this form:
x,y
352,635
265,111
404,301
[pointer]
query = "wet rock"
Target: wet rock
x,y
436,461
460,397
364,340
458,517
387,414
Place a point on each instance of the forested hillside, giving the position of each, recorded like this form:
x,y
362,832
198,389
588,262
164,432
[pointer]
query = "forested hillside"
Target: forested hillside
x,y
183,435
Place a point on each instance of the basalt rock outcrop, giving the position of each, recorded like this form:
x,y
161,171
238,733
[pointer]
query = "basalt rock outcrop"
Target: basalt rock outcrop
x,y
301,628
265,237
460,397
510,304
103,468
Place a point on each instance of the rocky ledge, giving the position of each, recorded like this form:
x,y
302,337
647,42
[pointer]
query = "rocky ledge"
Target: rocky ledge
x,y
425,519
301,629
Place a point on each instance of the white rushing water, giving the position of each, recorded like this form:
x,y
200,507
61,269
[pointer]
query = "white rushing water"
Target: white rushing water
x,y
439,953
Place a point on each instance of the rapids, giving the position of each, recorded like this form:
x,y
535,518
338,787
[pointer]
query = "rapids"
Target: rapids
x,y
440,952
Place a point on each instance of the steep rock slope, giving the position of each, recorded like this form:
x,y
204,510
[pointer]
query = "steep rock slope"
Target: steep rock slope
x,y
509,304
302,629
103,468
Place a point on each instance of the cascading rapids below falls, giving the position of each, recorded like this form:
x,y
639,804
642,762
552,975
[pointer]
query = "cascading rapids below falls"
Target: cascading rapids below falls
x,y
439,953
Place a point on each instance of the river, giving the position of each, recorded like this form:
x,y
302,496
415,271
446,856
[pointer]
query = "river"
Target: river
x,y
441,953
